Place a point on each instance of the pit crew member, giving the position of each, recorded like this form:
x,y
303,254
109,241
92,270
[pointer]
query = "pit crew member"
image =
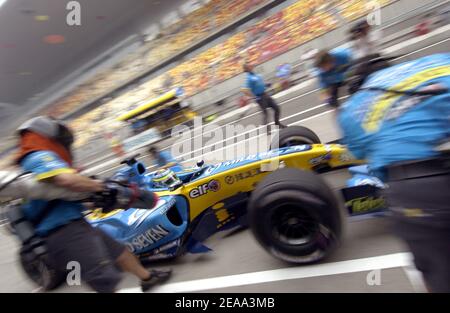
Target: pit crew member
x,y
45,150
400,123
332,66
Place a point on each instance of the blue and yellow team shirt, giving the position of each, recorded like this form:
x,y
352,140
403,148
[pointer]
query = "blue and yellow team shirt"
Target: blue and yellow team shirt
x,y
47,164
255,83
387,128
342,58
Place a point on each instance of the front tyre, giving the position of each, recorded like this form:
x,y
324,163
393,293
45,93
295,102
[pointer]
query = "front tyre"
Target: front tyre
x,y
295,216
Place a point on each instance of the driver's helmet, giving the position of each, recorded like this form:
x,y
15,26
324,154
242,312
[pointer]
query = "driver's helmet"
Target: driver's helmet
x,y
166,178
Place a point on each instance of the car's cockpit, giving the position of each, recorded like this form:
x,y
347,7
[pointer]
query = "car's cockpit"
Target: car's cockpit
x,y
160,180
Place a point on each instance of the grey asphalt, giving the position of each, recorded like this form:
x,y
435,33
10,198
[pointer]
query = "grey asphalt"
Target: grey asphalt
x,y
239,253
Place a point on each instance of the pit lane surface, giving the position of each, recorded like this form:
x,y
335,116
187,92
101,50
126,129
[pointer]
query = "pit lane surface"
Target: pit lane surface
x,y
239,254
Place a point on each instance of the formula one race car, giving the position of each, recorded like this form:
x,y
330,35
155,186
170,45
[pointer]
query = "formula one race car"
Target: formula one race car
x,y
291,210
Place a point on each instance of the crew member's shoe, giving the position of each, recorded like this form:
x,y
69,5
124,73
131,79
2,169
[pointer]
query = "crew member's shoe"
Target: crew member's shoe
x,y
156,277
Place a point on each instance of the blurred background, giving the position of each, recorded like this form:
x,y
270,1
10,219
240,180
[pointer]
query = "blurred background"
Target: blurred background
x,y
134,69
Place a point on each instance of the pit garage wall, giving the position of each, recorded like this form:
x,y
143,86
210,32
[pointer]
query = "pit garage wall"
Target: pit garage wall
x,y
332,39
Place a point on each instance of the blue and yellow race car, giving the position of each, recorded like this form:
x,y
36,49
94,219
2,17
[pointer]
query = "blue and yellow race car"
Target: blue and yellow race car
x,y
280,194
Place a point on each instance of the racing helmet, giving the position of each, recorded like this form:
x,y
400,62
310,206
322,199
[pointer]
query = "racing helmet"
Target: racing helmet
x,y
166,178
50,128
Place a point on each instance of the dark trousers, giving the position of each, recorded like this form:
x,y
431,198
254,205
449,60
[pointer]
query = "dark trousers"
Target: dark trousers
x,y
265,101
362,69
333,100
421,212
94,250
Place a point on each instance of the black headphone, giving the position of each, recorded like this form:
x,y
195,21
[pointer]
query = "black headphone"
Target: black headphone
x,y
63,135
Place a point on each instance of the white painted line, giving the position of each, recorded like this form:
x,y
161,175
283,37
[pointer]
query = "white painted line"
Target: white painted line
x,y
415,278
335,268
312,117
418,39
3,222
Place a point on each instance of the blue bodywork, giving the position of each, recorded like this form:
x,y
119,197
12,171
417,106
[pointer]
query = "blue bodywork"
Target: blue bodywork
x,y
143,231
362,176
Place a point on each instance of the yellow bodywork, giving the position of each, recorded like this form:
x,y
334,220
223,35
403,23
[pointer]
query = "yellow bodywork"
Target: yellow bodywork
x,y
338,157
333,155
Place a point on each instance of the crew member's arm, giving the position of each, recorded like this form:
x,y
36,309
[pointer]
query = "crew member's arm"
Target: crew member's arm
x,y
77,183
246,91
324,93
27,187
49,168
247,88
169,161
168,165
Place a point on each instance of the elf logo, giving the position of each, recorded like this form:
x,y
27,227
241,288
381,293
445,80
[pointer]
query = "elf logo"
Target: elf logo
x,y
203,189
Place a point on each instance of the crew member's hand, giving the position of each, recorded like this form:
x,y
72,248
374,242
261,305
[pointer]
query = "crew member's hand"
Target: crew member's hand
x,y
119,196
324,95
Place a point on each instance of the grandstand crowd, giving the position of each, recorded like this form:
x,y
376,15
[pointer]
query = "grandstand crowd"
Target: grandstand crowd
x,y
271,36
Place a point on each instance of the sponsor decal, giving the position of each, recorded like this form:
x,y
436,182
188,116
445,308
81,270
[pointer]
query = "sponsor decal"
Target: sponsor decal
x,y
231,179
147,238
48,158
377,114
257,157
346,157
404,105
320,159
222,215
366,204
203,189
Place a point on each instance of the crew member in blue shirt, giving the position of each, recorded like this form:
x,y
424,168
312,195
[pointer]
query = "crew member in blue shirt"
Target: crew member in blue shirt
x,y
256,87
163,159
399,121
45,150
332,67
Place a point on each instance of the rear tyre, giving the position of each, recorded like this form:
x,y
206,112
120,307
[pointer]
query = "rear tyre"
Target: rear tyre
x,y
39,270
295,216
294,136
